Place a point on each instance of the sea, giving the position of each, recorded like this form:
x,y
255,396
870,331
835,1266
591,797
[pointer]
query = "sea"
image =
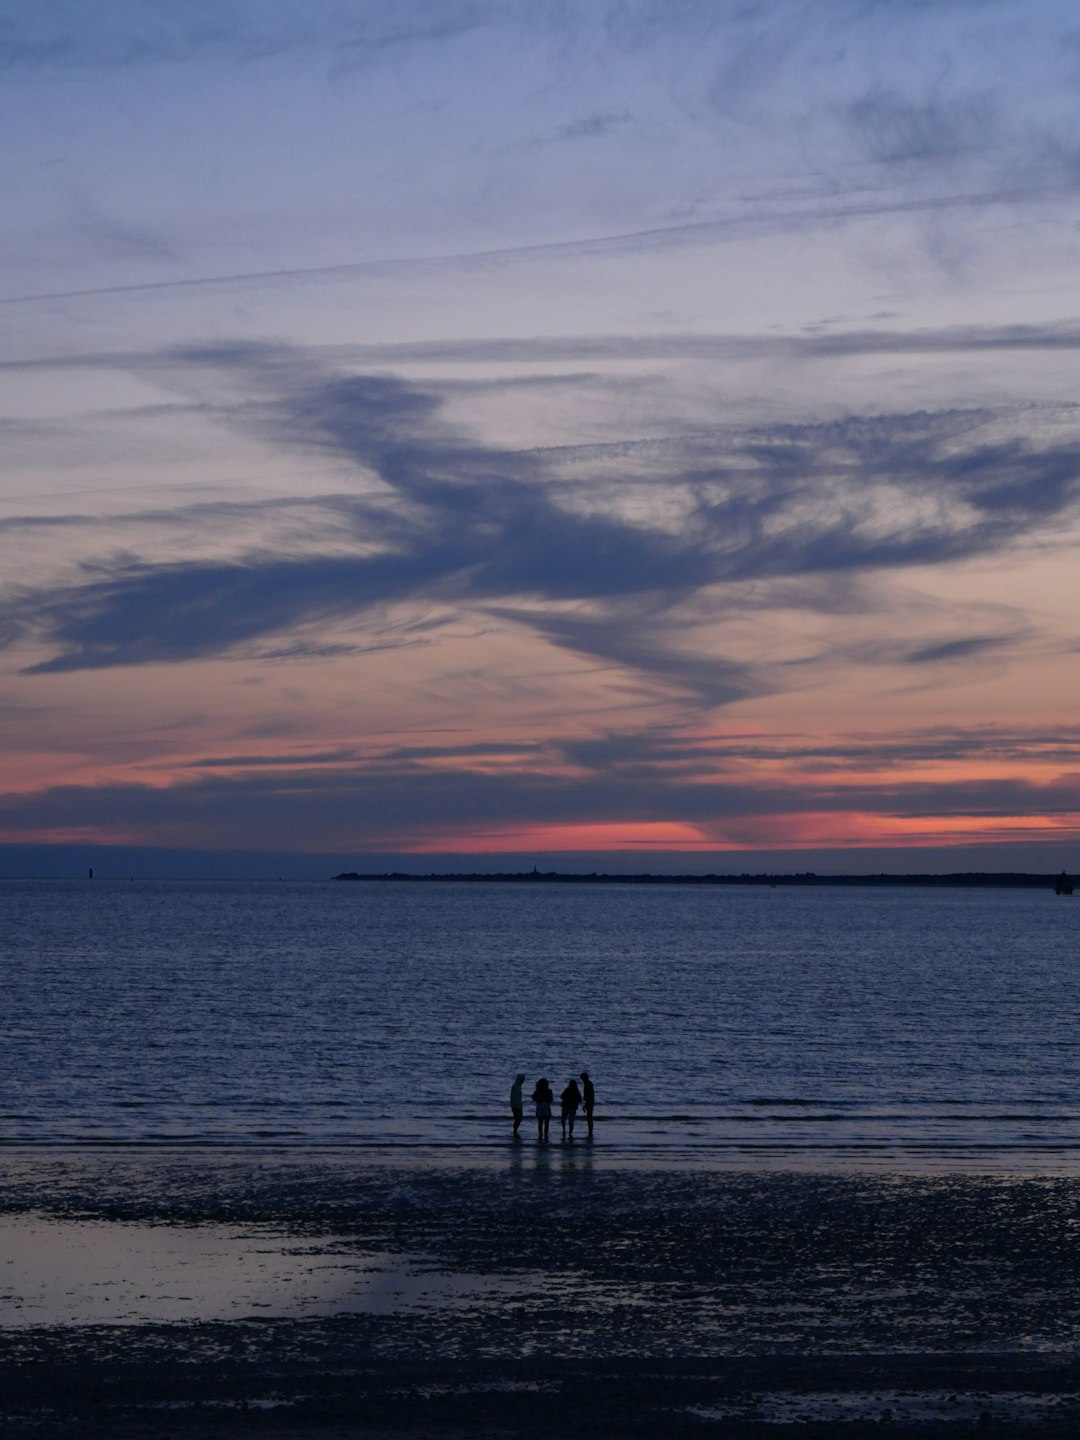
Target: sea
x,y
908,1028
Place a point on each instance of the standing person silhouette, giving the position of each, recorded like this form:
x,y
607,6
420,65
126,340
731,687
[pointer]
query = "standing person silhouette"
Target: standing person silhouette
x,y
570,1099
542,1098
517,1105
589,1098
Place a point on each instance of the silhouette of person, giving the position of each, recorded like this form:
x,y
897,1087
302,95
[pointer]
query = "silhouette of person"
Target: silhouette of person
x,y
542,1098
589,1099
570,1099
517,1105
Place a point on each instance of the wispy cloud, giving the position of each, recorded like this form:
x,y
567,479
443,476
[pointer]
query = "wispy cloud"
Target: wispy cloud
x,y
299,760
820,343
900,129
136,33
947,651
681,750
410,806
695,755
443,518
651,240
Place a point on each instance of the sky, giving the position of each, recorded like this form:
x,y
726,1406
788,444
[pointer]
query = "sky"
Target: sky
x,y
620,434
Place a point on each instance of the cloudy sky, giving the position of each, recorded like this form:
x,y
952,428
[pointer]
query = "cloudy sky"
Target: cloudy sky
x,y
480,427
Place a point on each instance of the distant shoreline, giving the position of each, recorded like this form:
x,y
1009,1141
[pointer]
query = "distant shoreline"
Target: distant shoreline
x,y
975,879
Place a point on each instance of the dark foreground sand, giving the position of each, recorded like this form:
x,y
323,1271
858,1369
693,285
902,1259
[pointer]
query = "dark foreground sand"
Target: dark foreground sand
x,y
568,1298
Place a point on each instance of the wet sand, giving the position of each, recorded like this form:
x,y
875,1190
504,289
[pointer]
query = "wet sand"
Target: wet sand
x,y
557,1295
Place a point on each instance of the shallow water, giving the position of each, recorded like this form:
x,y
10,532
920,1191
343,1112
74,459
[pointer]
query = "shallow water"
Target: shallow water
x,y
58,1271
907,1025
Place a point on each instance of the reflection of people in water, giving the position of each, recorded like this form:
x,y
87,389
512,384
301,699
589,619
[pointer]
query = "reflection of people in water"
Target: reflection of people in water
x,y
589,1099
570,1099
542,1098
517,1105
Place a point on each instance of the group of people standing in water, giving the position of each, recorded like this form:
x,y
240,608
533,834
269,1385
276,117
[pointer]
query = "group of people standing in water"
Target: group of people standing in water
x,y
543,1097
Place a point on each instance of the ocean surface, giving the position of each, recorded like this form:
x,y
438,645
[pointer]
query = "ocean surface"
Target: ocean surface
x,y
757,1025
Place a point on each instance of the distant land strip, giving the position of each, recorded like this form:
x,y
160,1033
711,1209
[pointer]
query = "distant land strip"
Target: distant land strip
x,y
987,879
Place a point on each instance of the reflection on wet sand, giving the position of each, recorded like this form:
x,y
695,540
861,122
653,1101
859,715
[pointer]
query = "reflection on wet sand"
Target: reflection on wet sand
x,y
100,1272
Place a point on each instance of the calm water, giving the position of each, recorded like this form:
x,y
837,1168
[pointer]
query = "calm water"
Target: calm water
x,y
759,1021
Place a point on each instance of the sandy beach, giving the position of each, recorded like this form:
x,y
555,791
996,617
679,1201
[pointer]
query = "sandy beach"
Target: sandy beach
x,y
538,1295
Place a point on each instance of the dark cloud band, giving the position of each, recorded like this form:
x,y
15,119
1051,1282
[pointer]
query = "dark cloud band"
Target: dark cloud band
x,y
440,518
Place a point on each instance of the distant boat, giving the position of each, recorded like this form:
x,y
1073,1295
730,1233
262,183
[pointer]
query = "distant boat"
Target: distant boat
x,y
1063,885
